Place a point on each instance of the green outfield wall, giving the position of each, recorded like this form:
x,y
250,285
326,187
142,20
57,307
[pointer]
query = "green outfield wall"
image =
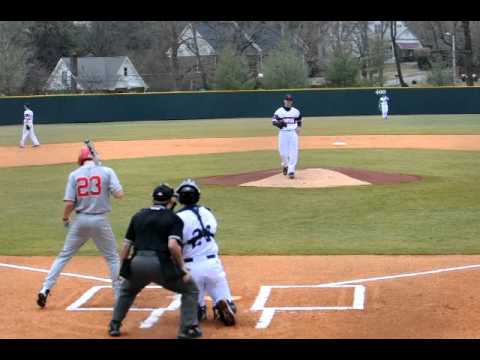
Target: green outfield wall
x,y
237,104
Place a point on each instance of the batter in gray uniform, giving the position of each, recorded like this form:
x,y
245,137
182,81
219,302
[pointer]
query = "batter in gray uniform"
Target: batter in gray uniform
x,y
87,192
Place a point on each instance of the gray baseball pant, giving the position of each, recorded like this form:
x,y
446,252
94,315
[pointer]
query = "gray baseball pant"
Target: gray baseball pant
x,y
145,270
83,228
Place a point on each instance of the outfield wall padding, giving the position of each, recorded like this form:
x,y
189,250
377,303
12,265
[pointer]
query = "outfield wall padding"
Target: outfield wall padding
x,y
237,104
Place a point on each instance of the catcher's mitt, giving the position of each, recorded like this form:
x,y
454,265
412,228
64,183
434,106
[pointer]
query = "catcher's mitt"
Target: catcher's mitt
x,y
279,123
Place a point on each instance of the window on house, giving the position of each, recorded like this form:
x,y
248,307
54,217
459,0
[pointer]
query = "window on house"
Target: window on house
x,y
64,77
125,71
388,52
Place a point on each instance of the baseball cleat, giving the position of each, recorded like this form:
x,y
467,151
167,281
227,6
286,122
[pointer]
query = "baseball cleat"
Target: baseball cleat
x,y
232,306
224,311
202,313
291,176
114,328
42,298
284,170
192,332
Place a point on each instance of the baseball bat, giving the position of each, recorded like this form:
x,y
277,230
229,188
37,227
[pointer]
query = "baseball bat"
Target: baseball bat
x,y
93,151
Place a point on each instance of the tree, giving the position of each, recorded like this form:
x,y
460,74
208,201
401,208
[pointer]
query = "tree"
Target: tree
x,y
393,34
312,35
284,68
343,69
48,42
194,46
13,67
439,74
232,71
171,31
468,52
51,40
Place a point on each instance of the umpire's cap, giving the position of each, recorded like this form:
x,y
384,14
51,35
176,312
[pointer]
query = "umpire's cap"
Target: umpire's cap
x,y
288,97
163,192
188,192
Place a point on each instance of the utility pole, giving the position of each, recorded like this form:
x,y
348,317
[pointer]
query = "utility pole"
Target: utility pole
x,y
454,63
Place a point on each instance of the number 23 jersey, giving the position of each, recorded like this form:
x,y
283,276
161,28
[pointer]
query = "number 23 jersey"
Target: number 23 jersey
x,y
89,187
195,241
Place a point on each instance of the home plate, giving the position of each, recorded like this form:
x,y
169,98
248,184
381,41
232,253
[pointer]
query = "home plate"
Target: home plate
x,y
339,142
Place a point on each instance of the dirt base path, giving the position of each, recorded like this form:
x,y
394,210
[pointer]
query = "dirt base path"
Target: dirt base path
x,y
371,297
66,153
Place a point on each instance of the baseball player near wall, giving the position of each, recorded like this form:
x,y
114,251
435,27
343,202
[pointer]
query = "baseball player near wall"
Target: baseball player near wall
x,y
289,120
88,194
27,129
383,105
200,252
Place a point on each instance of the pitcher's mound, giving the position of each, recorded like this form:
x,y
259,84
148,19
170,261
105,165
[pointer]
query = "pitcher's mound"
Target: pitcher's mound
x,y
310,178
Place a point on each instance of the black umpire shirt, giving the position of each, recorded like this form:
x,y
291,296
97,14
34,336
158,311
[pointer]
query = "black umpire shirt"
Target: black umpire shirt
x,y
151,228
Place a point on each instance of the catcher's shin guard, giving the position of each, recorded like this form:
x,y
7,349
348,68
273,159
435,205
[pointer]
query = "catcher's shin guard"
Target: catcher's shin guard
x,y
223,311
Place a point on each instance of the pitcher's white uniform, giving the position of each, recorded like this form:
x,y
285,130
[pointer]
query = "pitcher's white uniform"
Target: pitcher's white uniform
x,y
288,137
28,132
200,252
383,104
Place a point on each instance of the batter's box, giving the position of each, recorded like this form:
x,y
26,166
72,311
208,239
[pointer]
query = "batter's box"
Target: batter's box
x,y
147,323
357,303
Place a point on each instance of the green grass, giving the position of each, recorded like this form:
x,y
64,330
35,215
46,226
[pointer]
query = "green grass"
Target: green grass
x,y
438,215
412,124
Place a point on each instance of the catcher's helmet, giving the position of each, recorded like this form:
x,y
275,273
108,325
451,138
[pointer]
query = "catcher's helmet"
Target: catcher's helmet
x,y
84,155
162,192
188,192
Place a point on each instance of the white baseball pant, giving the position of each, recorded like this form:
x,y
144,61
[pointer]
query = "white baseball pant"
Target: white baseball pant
x,y
384,111
28,133
210,278
288,149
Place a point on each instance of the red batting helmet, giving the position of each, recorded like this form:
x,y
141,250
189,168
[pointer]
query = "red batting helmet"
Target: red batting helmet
x,y
84,155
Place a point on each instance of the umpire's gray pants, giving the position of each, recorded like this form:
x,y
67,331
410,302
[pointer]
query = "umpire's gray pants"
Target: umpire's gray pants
x,y
83,228
146,269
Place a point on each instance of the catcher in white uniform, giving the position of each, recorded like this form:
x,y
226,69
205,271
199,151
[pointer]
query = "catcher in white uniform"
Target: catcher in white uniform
x,y
289,121
200,252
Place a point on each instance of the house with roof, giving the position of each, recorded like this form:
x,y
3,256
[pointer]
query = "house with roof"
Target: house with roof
x,y
110,74
406,41
205,41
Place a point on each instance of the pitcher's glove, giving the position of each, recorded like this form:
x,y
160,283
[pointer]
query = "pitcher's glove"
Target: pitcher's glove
x,y
280,123
27,127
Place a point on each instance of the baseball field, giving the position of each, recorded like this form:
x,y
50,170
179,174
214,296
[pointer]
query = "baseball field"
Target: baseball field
x,y
388,259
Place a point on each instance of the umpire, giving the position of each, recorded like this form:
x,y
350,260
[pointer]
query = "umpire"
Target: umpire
x,y
155,234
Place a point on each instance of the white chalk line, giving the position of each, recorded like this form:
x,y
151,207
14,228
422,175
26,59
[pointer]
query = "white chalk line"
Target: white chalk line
x,y
358,300
152,319
268,312
404,275
156,314
88,277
